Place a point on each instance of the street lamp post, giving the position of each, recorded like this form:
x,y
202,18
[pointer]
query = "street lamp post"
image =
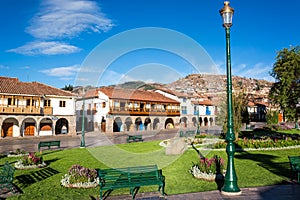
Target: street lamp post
x,y
82,144
230,182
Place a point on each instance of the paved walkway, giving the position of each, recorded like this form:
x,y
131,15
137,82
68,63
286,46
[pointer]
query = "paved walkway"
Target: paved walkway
x,y
286,191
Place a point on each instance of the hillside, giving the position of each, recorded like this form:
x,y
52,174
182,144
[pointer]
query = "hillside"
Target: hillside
x,y
216,84
205,84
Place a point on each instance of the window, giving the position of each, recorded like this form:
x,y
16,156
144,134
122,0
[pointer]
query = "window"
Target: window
x,y
62,103
47,103
11,102
28,102
103,104
183,110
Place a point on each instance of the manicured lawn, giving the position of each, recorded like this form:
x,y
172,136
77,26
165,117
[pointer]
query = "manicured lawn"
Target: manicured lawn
x,y
254,168
291,131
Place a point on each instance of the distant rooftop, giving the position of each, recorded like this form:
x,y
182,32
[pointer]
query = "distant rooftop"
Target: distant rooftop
x,y
14,86
130,94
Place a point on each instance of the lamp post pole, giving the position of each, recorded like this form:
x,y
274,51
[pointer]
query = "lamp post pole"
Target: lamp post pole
x,y
82,144
230,183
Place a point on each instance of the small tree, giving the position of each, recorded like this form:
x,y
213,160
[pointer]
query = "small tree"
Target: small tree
x,y
68,88
286,90
240,113
272,117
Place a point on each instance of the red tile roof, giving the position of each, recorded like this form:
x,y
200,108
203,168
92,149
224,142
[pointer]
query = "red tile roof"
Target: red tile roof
x,y
204,102
138,95
14,86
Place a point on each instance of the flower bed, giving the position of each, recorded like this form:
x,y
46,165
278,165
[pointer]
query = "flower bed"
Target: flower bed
x,y
80,177
17,153
258,143
208,169
30,161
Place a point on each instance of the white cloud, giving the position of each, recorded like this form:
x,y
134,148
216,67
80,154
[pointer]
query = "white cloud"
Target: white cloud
x,y
46,48
4,67
67,18
63,72
62,19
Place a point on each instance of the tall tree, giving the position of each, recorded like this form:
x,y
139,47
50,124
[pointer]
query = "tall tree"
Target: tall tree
x,y
286,89
240,113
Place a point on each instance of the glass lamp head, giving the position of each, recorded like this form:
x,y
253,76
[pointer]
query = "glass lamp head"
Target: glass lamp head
x,y
227,13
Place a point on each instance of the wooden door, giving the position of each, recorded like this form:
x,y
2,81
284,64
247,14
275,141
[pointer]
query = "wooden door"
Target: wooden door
x,y
29,129
7,130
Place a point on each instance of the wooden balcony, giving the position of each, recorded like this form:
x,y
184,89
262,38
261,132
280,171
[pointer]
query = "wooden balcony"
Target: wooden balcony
x,y
147,112
48,110
19,110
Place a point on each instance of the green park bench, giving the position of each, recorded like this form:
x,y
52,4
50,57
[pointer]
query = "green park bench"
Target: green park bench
x,y
295,167
49,144
186,133
134,138
130,177
6,177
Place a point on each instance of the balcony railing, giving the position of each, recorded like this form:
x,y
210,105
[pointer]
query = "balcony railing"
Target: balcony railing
x,y
138,111
19,110
47,110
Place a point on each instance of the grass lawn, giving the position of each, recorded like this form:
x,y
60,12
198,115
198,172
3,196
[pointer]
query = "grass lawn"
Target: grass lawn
x,y
253,168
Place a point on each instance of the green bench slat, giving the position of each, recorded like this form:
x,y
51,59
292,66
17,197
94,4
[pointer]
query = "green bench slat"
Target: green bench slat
x,y
295,167
130,177
48,144
134,138
186,133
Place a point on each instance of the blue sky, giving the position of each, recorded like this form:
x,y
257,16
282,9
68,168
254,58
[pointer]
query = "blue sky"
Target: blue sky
x,y
57,42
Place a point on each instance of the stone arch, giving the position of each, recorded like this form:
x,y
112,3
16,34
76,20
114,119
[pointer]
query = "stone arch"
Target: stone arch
x,y
211,121
29,127
147,123
183,121
200,121
128,123
155,123
46,126
62,126
10,127
117,124
169,123
194,120
138,124
205,121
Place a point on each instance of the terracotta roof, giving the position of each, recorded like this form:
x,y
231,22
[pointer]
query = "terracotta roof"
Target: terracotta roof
x,y
173,92
14,86
138,95
204,102
91,93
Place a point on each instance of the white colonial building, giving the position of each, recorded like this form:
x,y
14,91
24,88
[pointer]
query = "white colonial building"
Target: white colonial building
x,y
35,109
193,108
112,109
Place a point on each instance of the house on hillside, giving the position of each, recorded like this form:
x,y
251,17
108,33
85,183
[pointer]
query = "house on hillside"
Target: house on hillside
x,y
35,109
193,108
112,109
257,111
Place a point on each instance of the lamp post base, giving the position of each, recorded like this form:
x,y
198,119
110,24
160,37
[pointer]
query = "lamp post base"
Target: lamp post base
x,y
231,193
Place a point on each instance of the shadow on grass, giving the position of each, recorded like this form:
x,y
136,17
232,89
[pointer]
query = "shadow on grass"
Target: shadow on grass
x,y
50,161
267,161
25,180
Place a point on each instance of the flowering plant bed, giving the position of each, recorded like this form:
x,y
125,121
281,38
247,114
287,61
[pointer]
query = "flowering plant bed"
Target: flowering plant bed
x,y
80,177
17,153
30,161
208,169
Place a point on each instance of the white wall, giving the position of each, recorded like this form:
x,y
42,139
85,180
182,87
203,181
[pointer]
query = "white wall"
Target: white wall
x,y
68,110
